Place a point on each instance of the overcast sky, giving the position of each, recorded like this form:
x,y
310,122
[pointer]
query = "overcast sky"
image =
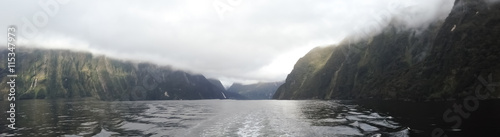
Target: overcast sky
x,y
231,40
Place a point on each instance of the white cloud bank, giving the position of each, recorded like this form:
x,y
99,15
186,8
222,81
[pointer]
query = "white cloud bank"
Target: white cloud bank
x,y
258,40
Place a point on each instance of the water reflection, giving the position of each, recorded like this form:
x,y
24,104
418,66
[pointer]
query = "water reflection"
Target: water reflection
x,y
198,118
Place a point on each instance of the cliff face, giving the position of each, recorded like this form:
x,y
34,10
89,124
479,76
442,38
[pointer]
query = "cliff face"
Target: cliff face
x,y
255,91
64,74
448,60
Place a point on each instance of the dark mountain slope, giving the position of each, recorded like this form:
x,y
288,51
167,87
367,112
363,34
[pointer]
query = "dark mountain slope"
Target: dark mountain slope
x,y
450,59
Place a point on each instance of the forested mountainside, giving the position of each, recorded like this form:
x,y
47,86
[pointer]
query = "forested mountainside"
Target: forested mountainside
x,y
45,74
451,59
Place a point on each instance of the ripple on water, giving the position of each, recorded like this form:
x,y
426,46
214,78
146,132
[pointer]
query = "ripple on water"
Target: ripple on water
x,y
332,120
350,120
137,126
337,130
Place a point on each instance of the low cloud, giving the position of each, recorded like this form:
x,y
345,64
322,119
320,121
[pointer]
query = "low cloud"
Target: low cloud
x,y
257,40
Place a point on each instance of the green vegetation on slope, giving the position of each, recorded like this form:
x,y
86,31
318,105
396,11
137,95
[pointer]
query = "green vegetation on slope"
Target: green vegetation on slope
x,y
64,74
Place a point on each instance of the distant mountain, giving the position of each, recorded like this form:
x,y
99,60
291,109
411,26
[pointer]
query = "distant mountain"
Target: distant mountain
x,y
255,91
449,60
227,95
65,74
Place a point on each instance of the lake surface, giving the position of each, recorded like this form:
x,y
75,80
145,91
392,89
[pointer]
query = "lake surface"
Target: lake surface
x,y
198,118
223,118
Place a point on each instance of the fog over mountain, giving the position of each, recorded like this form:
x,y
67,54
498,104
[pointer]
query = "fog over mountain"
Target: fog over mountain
x,y
240,41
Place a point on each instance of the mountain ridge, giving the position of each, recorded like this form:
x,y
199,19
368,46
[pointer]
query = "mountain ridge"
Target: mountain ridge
x,y
261,90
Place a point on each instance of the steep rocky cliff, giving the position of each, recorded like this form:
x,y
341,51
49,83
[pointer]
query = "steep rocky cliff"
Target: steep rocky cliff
x,y
65,74
450,59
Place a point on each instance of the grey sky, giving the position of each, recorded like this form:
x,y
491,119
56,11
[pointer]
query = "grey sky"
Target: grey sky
x,y
256,40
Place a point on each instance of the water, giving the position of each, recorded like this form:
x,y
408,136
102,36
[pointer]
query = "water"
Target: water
x,y
199,118
425,117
